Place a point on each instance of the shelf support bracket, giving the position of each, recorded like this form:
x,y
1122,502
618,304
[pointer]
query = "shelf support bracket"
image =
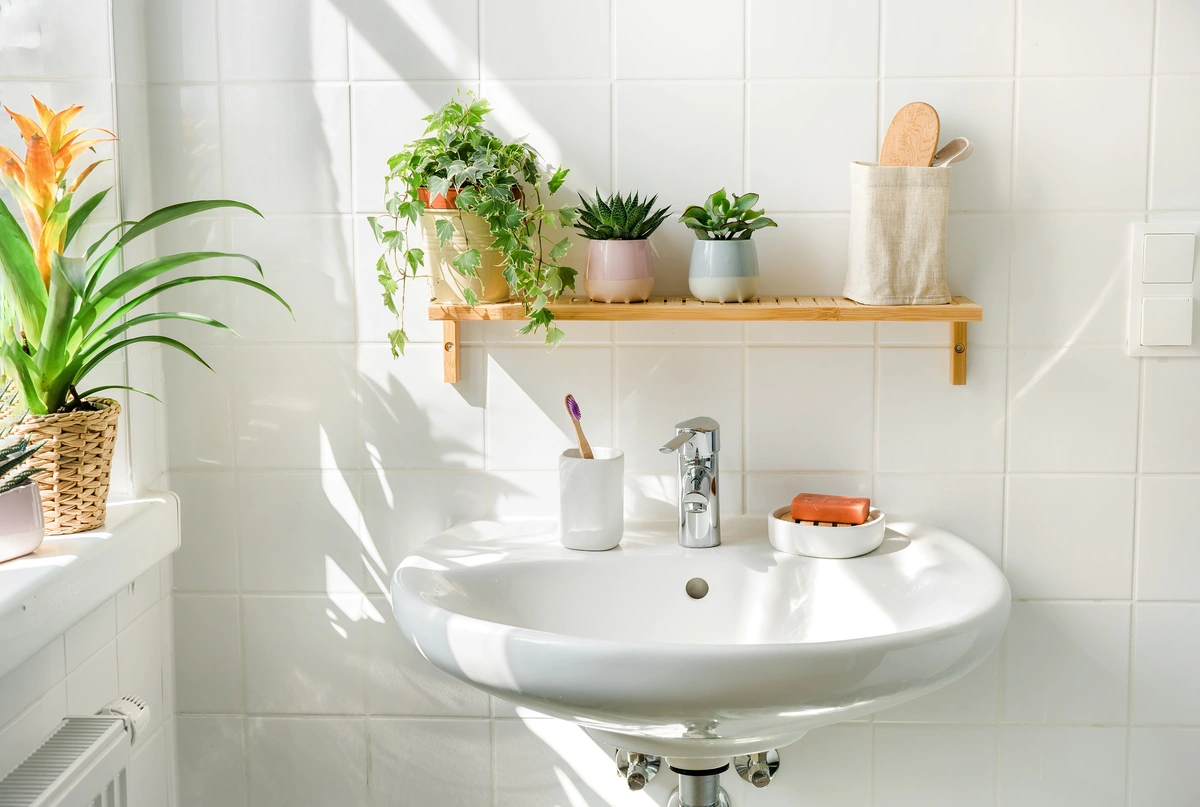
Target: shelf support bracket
x,y
451,367
958,353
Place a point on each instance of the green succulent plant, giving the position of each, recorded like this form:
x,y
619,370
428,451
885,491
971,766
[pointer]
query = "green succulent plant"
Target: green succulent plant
x,y
619,218
723,219
11,457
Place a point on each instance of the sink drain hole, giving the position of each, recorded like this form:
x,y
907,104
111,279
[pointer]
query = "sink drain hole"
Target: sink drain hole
x,y
696,588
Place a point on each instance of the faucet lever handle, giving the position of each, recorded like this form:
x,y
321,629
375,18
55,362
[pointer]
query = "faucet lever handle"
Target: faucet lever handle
x,y
675,443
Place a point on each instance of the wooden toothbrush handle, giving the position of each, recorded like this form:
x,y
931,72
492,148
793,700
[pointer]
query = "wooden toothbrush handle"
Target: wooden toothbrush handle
x,y
585,450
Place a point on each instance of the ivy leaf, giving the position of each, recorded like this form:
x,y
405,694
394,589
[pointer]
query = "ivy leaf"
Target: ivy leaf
x,y
554,335
393,239
397,339
470,297
376,228
556,181
445,231
438,186
467,263
559,250
414,257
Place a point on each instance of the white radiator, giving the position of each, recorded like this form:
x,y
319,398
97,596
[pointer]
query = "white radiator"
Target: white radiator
x,y
84,763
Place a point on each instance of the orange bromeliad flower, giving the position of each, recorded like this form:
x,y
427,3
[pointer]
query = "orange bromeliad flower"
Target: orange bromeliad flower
x,y
39,182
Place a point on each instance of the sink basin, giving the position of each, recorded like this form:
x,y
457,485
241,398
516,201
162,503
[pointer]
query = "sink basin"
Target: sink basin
x,y
778,644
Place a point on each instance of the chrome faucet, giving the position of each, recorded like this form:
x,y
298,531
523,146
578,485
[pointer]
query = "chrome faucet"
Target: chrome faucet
x,y
698,442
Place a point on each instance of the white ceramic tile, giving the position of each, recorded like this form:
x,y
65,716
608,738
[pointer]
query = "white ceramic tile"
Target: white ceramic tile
x,y
570,125
307,260
944,38
821,155
1067,663
678,38
93,684
974,698
805,256
1175,37
1049,766
399,681
1070,537
523,494
207,556
181,41
1069,278
507,333
923,765
1072,409
1079,38
654,393
401,510
828,767
791,429
809,38
292,407
660,333
91,633
401,40
23,686
927,424
411,418
1050,175
275,40
211,761
977,252
1163,767
581,33
1170,432
137,598
767,492
304,655
140,663
971,507
1165,664
1167,549
128,25
185,143
1175,170
33,726
133,149
66,40
672,243
299,532
400,754
150,770
307,763
208,655
208,233
979,110
199,423
696,123
307,167
386,115
527,424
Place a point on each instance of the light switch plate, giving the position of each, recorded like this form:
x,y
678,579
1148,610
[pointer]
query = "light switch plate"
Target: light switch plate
x,y
1160,268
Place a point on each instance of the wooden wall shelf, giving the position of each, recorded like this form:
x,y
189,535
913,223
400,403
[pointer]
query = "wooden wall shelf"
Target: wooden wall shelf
x,y
957,313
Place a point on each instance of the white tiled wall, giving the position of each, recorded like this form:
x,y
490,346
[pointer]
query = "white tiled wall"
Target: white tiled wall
x,y
312,461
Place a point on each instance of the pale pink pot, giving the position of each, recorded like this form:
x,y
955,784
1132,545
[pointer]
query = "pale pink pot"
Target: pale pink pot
x,y
619,271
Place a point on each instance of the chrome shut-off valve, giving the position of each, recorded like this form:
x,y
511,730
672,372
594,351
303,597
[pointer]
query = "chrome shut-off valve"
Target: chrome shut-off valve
x,y
637,769
757,769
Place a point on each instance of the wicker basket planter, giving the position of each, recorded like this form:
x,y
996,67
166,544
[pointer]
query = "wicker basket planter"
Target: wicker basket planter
x,y
77,462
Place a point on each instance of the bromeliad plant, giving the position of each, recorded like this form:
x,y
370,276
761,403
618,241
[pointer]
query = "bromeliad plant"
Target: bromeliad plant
x,y
619,218
722,219
63,315
499,181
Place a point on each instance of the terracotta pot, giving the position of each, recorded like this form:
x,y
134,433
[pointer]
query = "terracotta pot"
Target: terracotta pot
x,y
438,202
22,526
619,271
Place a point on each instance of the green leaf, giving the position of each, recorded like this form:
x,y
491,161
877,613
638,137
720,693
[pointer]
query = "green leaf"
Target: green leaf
x,y
744,203
467,263
414,258
438,186
396,339
556,181
65,275
22,281
96,390
182,210
445,231
376,228
470,297
79,371
559,250
79,216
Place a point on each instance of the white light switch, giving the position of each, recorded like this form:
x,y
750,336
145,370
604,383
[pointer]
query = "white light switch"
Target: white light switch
x,y
1168,258
1167,321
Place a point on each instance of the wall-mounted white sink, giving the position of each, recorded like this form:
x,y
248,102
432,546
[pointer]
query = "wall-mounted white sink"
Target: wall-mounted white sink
x,y
779,644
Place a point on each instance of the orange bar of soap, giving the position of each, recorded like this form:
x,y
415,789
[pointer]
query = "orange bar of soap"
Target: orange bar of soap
x,y
838,509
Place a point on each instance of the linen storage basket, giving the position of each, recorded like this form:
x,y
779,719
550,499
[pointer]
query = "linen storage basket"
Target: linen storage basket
x,y
76,461
898,235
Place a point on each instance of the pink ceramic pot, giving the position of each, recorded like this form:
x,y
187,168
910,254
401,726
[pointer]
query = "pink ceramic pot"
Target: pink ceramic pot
x,y
619,271
22,526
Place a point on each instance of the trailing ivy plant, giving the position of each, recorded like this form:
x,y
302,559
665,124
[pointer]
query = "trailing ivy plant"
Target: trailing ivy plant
x,y
720,219
499,181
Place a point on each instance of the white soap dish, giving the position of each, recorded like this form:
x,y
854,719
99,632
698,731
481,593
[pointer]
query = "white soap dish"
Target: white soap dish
x,y
824,541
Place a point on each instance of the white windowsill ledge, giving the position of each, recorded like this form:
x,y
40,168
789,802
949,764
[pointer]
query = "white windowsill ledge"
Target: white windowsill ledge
x,y
45,593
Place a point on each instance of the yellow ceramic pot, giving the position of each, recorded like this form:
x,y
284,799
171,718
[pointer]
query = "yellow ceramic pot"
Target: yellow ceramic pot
x,y
470,232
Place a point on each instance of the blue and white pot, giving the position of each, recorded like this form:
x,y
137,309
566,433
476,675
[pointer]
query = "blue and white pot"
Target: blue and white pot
x,y
723,271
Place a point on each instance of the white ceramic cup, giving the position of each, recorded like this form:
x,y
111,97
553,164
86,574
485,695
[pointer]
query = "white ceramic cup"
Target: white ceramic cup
x,y
591,499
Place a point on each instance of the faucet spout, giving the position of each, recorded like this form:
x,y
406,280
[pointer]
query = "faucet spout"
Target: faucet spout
x,y
698,443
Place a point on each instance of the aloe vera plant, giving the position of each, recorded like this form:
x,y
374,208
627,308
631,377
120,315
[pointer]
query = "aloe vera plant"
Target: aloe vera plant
x,y
722,219
62,315
619,218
